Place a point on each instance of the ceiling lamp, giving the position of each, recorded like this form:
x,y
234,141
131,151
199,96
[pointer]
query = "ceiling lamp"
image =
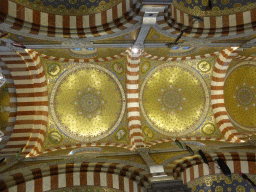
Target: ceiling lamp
x,y
201,153
135,50
223,166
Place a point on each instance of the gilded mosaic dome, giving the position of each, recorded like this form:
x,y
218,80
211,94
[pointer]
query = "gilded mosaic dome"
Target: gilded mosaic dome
x,y
175,99
69,7
240,95
87,102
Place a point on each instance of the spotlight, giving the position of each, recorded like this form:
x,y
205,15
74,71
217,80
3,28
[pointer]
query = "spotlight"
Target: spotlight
x,y
201,153
245,177
224,168
135,50
178,143
190,150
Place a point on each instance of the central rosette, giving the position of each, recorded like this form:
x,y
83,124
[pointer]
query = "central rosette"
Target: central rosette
x,y
172,99
89,103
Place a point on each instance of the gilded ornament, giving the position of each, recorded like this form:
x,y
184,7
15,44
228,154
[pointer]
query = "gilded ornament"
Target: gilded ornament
x,y
240,95
87,102
120,134
225,2
205,2
55,137
117,66
204,66
219,189
240,188
174,99
53,69
145,66
208,129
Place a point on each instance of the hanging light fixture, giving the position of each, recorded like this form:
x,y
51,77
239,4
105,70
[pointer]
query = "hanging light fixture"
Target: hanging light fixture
x,y
224,167
190,150
201,153
178,143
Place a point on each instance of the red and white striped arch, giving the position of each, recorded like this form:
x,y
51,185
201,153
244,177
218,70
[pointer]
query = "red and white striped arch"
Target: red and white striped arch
x,y
192,168
217,96
116,19
133,106
214,27
50,177
31,99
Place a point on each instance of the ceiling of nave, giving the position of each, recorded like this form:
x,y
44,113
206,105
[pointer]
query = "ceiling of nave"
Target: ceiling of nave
x,y
79,92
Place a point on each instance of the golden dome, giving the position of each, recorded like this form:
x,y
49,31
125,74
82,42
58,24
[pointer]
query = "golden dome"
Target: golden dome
x,y
92,107
175,99
239,95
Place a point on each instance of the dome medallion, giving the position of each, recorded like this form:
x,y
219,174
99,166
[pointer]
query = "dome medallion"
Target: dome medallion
x,y
87,103
175,99
240,95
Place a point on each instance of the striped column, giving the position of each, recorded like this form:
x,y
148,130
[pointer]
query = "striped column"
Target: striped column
x,y
133,107
193,168
44,178
217,96
32,102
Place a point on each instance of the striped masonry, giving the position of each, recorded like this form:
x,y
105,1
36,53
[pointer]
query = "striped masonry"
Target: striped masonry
x,y
156,58
112,175
133,107
244,58
193,168
217,96
119,145
13,104
113,20
212,27
91,60
32,102
152,143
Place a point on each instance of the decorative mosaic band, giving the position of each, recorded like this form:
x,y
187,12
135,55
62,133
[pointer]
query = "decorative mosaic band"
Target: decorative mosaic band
x,y
133,106
119,145
156,58
244,58
32,102
116,19
217,96
212,27
13,104
193,168
115,175
92,60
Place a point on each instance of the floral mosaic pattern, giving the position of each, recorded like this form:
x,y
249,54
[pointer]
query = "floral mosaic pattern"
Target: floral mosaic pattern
x,y
221,183
220,7
69,7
